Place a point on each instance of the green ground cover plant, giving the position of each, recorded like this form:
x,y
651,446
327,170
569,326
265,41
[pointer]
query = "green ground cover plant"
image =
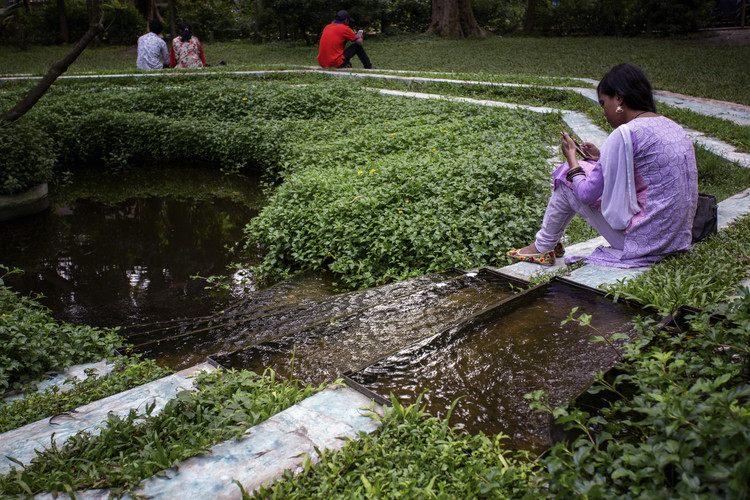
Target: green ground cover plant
x,y
412,455
706,276
33,343
673,422
128,372
139,445
375,188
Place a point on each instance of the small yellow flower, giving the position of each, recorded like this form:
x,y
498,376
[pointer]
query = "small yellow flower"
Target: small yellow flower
x,y
434,149
352,120
360,172
444,130
372,170
407,201
400,211
393,133
243,89
244,98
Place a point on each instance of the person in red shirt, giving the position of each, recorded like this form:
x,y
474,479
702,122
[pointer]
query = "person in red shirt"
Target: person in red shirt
x,y
331,52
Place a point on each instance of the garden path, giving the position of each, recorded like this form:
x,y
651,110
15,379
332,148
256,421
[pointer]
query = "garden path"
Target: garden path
x,y
321,421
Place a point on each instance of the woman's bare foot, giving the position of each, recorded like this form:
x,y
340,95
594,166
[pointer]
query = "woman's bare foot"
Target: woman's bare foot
x,y
529,250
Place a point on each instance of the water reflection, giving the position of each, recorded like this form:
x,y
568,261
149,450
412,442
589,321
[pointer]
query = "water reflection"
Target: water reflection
x,y
126,260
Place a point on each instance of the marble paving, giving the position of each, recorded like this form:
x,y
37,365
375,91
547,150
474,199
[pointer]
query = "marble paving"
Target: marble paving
x,y
22,443
324,420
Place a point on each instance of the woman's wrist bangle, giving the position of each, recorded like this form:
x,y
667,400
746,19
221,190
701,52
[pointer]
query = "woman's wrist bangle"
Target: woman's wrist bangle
x,y
573,172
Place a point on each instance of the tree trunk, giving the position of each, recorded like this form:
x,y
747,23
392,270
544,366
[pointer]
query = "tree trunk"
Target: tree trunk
x,y
454,19
256,20
62,16
154,11
58,68
172,18
282,28
528,22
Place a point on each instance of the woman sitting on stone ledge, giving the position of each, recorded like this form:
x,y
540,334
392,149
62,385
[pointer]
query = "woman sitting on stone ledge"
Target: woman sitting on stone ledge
x,y
639,192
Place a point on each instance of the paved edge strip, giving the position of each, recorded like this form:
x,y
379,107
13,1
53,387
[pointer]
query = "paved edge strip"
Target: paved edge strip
x,y
325,420
22,443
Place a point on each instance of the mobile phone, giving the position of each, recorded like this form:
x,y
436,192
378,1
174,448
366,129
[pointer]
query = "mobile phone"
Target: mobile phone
x,y
579,149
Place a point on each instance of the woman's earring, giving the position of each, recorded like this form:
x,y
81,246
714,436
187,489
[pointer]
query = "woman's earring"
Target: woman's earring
x,y
619,110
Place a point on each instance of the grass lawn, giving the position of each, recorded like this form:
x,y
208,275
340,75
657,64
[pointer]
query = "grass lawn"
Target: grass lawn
x,y
685,65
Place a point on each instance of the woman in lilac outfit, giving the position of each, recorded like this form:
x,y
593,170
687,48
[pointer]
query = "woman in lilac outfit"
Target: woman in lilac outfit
x,y
639,192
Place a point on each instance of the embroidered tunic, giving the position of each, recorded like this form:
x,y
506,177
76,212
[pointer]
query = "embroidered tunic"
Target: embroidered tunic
x,y
653,200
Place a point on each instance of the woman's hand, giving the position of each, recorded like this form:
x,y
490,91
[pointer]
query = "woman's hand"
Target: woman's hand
x,y
568,147
590,152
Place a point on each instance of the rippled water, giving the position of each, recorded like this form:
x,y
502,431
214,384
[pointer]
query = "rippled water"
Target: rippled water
x,y
499,356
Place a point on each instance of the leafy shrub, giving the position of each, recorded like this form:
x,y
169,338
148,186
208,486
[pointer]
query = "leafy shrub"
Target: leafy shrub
x,y
674,422
33,343
27,156
123,25
210,18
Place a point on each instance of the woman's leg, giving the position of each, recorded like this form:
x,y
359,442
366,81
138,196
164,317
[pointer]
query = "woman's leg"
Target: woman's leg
x,y
562,207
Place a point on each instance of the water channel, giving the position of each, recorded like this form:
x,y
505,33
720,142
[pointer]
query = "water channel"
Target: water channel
x,y
122,249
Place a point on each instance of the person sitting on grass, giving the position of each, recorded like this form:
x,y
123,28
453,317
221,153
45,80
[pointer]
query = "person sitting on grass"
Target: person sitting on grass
x,y
152,50
187,51
639,192
331,51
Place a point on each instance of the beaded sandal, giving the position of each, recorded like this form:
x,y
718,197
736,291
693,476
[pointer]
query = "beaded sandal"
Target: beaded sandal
x,y
543,259
559,250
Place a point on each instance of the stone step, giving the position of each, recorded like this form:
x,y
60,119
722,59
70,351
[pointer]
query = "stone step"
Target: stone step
x,y
323,421
23,442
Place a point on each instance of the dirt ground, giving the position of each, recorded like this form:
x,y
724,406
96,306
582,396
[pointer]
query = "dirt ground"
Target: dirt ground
x,y
727,36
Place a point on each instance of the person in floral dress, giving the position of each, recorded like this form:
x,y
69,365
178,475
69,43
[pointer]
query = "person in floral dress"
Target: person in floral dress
x,y
186,50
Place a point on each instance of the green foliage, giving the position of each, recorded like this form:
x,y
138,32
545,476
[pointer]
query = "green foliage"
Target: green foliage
x,y
673,423
128,372
122,22
622,17
140,445
27,156
413,455
408,188
213,18
33,343
707,275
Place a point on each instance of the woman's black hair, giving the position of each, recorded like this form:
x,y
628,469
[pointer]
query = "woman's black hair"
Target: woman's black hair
x,y
631,84
186,32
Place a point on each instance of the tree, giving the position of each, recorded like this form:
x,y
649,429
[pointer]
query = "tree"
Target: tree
x,y
454,19
96,26
62,17
528,24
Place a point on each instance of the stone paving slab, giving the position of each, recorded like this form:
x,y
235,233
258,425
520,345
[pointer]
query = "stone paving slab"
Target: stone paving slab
x,y
324,420
79,371
21,443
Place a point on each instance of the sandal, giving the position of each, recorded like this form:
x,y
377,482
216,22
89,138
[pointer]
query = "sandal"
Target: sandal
x,y
559,250
543,259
